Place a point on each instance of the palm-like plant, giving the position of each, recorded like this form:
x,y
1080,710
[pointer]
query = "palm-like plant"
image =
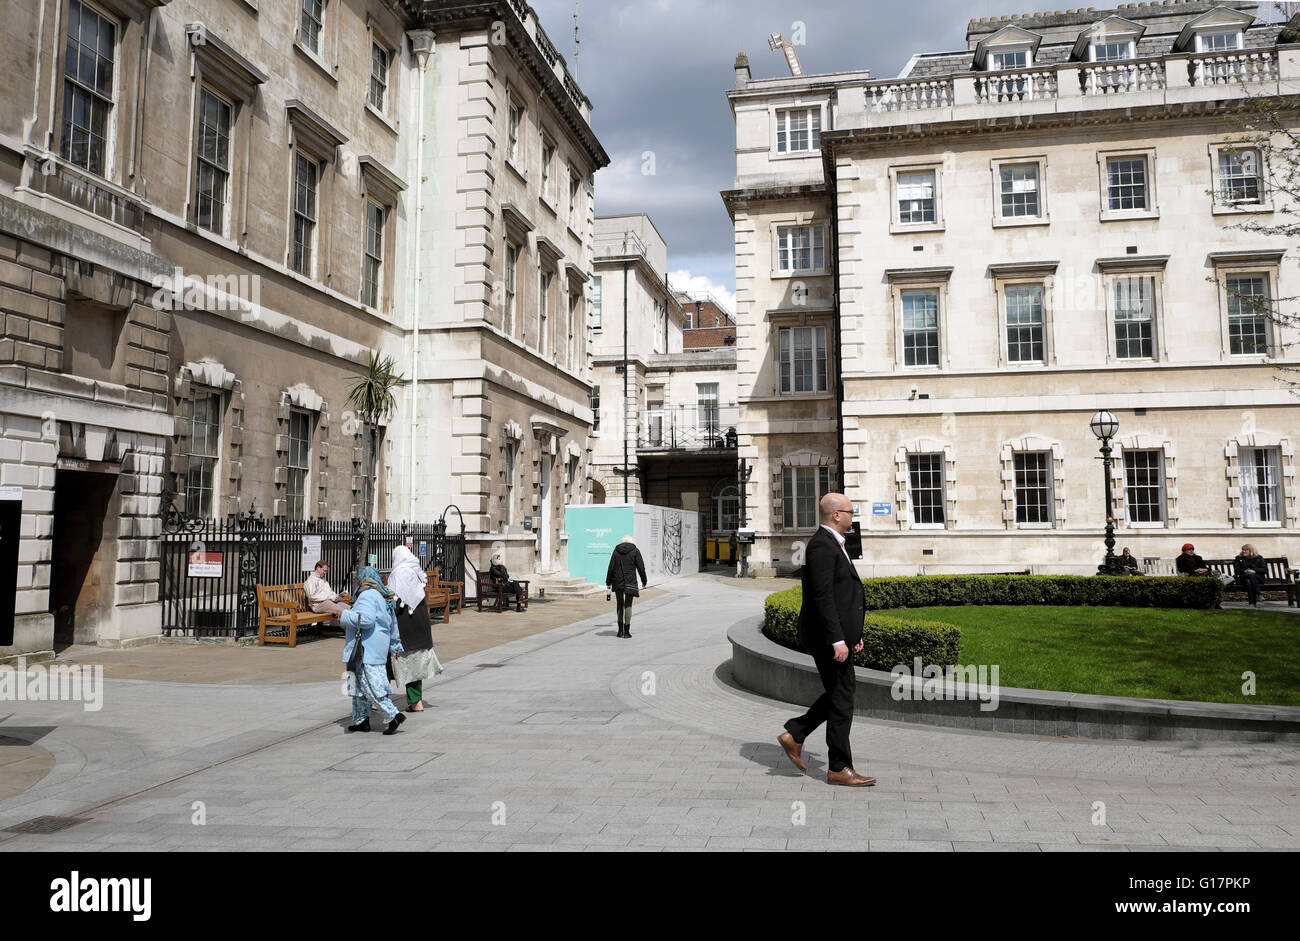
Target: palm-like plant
x,y
371,398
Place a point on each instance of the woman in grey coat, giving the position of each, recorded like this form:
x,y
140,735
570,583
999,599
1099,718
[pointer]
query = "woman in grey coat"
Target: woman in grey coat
x,y
625,564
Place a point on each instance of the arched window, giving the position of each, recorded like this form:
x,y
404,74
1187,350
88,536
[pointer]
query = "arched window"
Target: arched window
x,y
724,513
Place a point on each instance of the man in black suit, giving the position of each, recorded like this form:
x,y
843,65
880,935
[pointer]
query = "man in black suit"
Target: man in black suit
x,y
830,621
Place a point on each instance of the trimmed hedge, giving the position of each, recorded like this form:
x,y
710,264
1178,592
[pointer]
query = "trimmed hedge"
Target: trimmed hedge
x,y
889,639
932,591
886,640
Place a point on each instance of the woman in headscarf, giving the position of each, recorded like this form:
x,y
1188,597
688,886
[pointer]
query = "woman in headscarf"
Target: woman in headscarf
x,y
499,574
407,582
625,564
371,636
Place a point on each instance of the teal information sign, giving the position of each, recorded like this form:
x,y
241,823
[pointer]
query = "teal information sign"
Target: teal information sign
x,y
594,531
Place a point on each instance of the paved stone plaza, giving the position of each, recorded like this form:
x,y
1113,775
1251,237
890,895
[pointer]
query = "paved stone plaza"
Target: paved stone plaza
x,y
573,739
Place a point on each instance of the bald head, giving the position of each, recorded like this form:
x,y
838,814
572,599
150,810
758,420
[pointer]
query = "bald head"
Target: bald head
x,y
836,512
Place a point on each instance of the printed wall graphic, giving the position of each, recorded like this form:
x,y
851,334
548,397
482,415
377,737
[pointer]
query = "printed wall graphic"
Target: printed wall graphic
x,y
668,539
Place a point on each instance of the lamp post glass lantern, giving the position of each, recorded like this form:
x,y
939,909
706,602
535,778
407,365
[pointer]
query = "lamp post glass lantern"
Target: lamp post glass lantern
x,y
1105,426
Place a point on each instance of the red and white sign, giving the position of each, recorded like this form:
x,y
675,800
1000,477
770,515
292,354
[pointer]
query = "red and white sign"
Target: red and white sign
x,y
205,565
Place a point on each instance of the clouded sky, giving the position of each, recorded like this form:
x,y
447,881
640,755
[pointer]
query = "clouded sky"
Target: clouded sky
x,y
657,72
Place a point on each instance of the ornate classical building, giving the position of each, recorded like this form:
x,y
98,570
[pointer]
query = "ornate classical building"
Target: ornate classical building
x,y
941,276
211,213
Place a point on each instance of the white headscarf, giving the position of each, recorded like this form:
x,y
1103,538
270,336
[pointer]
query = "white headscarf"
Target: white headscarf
x,y
407,579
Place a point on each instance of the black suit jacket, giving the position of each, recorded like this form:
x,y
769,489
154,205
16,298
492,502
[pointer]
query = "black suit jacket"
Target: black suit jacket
x,y
833,604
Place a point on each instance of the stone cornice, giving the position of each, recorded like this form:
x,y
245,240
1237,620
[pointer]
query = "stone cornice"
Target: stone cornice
x,y
739,198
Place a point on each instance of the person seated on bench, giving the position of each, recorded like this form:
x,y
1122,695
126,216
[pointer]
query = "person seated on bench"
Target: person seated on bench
x,y
1251,570
501,577
322,598
1189,563
1127,564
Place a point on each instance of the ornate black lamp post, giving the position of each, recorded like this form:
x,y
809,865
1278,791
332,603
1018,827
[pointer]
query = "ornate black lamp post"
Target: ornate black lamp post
x,y
1104,425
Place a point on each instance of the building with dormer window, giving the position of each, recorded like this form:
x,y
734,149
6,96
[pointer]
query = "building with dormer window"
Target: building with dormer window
x,y
982,252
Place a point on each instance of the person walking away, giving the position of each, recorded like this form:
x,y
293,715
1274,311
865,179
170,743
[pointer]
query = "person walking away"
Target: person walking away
x,y
830,622
1251,570
371,636
625,564
322,598
498,573
407,581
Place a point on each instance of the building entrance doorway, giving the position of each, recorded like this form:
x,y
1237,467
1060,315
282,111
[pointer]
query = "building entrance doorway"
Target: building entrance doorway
x,y
83,554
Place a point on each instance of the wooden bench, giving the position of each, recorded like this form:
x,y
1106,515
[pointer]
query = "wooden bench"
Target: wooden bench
x,y
455,589
486,588
1279,577
436,597
285,606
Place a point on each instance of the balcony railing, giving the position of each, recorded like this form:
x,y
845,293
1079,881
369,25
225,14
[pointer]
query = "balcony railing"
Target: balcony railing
x,y
618,243
1167,74
688,428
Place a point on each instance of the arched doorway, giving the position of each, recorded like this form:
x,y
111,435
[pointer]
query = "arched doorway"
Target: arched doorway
x,y
597,492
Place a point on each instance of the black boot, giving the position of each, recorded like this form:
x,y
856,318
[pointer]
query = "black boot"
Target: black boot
x,y
362,726
392,726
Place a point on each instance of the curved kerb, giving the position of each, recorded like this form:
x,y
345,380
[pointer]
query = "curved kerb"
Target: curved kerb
x,y
763,666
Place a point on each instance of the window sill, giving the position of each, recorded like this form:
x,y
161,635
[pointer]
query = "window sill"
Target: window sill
x,y
1022,223
810,273
909,228
928,527
514,168
1039,527
316,60
574,233
1152,525
1108,215
794,154
381,117
1250,209
1267,525
541,198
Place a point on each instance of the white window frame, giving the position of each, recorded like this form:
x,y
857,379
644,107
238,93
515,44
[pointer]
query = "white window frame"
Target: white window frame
x,y
545,278
942,455
1127,522
1221,206
1004,320
511,458
996,167
999,88
815,231
1280,484
1269,274
291,468
316,51
516,122
1152,208
785,360
1130,48
209,461
547,185
815,115
1158,351
223,226
385,79
597,302
896,225
109,169
1204,34
373,255
510,285
313,218
940,290
791,518
1049,470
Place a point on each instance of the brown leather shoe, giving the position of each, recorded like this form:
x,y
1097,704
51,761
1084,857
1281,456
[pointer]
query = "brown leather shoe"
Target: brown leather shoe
x,y
848,778
793,750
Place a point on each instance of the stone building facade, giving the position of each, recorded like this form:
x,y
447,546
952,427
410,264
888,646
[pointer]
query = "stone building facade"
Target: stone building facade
x,y
996,244
209,216
502,234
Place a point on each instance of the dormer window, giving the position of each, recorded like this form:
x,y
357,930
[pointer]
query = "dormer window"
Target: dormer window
x,y
1218,41
1008,60
1112,50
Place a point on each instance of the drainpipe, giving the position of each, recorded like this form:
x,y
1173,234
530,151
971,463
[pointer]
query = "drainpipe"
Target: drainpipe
x,y
422,46
835,303
626,410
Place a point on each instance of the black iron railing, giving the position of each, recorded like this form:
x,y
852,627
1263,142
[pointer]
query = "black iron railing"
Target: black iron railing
x,y
210,569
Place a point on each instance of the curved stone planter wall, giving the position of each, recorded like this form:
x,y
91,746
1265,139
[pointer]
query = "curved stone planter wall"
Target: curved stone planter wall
x,y
765,667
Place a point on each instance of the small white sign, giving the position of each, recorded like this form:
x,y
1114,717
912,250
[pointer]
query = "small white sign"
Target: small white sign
x,y
11,493
311,552
205,565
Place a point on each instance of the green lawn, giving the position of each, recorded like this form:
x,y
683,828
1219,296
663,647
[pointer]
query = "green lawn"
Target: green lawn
x,y
1153,653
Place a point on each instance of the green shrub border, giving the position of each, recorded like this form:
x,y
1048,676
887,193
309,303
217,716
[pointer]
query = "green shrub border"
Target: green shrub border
x,y
889,640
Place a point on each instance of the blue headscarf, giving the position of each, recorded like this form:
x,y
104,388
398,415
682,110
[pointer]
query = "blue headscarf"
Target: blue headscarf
x,y
368,577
